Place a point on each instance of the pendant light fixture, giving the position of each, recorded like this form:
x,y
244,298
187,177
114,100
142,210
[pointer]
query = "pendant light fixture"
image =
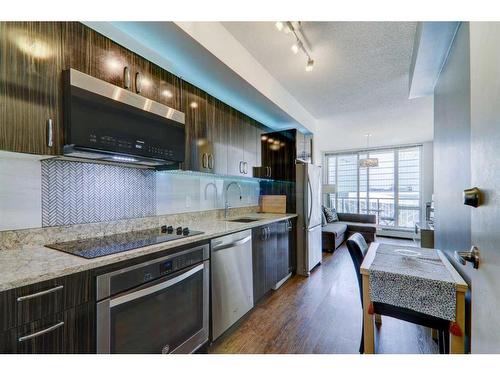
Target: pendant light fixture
x,y
368,162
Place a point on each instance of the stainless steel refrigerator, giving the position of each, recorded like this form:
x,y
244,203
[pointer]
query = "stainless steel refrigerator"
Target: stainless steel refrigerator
x,y
308,195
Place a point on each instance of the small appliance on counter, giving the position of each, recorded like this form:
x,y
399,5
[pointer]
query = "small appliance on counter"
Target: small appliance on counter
x,y
90,248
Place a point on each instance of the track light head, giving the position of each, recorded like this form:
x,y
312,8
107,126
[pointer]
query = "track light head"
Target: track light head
x,y
309,65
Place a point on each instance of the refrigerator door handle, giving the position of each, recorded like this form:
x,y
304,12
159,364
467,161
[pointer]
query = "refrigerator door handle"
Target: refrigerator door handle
x,y
310,197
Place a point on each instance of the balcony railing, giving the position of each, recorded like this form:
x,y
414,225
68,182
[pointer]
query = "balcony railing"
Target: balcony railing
x,y
408,212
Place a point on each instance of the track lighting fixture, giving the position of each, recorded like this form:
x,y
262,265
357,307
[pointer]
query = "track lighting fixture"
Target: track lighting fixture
x,y
309,65
300,43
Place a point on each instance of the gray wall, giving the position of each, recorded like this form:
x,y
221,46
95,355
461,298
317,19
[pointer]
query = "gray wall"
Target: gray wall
x,y
427,174
452,171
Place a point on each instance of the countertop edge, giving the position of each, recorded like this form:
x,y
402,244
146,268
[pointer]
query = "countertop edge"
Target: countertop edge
x,y
90,264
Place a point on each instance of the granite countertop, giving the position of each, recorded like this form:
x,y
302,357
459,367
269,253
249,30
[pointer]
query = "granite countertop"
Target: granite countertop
x,y
38,263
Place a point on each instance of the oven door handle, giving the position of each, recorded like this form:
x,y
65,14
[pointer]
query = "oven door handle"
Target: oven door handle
x,y
154,288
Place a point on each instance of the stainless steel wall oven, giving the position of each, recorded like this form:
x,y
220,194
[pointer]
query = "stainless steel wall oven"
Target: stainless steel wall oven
x,y
160,306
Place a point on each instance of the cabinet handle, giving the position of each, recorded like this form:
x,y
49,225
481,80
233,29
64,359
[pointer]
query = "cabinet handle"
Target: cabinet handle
x,y
210,161
270,172
204,160
50,133
245,167
42,332
42,293
241,171
126,77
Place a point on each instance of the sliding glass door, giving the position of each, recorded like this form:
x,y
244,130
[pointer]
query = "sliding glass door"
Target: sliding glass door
x,y
391,191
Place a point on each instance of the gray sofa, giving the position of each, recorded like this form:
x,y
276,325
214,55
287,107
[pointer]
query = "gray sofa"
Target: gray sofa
x,y
333,234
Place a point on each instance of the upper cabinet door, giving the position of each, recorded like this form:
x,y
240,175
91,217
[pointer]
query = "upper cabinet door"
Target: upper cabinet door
x,y
250,148
30,83
198,133
92,53
218,121
236,144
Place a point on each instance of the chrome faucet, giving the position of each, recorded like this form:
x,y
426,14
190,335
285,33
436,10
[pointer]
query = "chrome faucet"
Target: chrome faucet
x,y
226,205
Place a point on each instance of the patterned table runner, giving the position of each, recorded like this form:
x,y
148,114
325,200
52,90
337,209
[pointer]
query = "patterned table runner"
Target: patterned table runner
x,y
421,283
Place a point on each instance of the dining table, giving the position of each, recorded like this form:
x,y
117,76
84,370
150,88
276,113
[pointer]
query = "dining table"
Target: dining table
x,y
419,279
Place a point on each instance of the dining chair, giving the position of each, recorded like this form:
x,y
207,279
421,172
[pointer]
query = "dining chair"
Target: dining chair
x,y
358,248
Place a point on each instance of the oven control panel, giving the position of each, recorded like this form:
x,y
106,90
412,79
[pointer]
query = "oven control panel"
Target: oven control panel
x,y
122,280
180,262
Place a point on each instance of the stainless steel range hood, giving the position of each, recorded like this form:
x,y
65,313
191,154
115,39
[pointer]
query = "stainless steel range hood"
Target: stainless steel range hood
x,y
104,122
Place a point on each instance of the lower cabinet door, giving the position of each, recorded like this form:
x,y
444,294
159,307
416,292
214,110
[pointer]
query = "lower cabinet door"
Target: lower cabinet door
x,y
271,256
44,336
259,236
282,250
71,331
8,344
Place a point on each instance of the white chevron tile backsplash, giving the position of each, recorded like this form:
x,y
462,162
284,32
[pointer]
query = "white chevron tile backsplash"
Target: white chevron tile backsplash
x,y
38,193
75,192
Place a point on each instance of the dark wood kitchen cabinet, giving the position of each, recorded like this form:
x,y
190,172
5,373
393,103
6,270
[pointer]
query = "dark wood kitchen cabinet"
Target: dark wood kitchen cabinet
x,y
283,268
33,56
218,119
280,151
264,260
271,253
235,147
199,152
8,341
54,316
30,82
69,332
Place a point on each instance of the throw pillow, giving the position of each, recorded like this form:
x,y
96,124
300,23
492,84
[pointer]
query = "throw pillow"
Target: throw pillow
x,y
330,214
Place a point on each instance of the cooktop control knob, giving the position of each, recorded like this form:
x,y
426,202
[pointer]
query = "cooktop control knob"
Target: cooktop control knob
x,y
164,229
185,231
179,230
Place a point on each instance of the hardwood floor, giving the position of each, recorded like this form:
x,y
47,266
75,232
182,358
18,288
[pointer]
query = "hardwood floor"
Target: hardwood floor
x,y
319,314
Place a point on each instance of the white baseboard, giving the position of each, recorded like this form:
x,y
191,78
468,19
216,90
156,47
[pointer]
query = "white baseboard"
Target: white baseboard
x,y
399,233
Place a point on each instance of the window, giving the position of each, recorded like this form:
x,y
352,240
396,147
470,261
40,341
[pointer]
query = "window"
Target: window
x,y
391,191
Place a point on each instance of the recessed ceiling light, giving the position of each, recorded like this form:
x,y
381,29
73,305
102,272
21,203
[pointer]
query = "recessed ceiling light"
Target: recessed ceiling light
x,y
167,93
295,48
193,105
279,25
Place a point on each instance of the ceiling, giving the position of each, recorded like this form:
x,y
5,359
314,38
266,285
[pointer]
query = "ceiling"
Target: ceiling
x,y
358,65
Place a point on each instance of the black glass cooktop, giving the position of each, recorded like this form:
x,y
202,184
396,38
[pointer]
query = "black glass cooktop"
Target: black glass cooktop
x,y
100,246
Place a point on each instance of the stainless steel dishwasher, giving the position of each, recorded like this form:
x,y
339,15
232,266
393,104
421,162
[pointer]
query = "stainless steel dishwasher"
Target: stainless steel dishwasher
x,y
232,280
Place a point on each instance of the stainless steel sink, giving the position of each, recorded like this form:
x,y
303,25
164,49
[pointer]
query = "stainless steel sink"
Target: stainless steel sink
x,y
243,220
